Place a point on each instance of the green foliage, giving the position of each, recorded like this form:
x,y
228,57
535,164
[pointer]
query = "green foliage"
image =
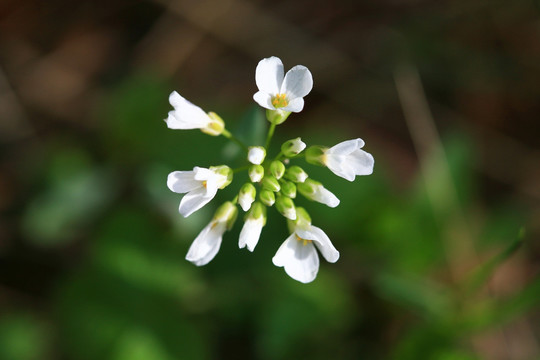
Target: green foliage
x,y
132,295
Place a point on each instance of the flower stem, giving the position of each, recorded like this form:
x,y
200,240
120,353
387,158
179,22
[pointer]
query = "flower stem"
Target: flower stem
x,y
240,169
230,136
270,134
278,156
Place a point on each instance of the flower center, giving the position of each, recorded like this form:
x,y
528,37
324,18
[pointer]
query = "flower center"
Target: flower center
x,y
204,184
305,242
280,100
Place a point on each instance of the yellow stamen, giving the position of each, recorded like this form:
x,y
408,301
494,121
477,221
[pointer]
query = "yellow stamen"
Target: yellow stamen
x,y
204,184
305,242
280,100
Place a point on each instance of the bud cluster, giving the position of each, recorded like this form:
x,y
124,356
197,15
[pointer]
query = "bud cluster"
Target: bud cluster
x,y
272,182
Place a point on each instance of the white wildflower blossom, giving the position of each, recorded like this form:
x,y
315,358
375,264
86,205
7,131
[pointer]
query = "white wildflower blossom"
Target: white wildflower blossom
x,y
201,185
187,116
278,92
347,160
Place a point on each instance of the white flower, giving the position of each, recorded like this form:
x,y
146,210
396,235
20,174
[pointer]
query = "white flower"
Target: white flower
x,y
347,160
278,92
315,191
206,244
188,116
201,185
298,255
256,155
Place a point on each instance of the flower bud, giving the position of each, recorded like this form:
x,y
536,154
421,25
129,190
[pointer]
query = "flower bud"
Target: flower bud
x,y
277,169
225,171
270,183
315,191
296,174
288,189
227,212
256,154
315,155
246,196
293,147
216,126
257,211
277,116
302,217
267,197
256,173
286,207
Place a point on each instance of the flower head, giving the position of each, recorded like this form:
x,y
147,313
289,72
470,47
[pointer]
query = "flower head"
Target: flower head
x,y
188,116
347,160
201,185
298,254
206,245
278,92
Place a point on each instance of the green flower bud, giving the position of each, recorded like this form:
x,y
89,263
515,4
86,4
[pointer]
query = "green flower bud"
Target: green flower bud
x,y
288,189
225,171
269,182
286,207
277,169
246,196
292,147
308,187
216,126
256,173
267,197
302,217
227,212
277,116
315,155
296,174
257,211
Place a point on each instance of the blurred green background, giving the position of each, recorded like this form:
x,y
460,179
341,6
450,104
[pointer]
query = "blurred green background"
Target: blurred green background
x,y
439,251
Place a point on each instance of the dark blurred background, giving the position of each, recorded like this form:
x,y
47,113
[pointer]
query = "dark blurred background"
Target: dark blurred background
x,y
439,251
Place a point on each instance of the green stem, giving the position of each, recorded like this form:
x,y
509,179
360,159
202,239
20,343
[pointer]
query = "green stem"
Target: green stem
x,y
230,136
278,156
270,134
240,169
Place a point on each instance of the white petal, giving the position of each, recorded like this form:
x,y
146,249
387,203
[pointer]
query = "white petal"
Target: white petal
x,y
194,200
202,174
175,99
186,115
245,201
298,82
300,261
361,162
295,105
298,146
256,155
325,196
206,245
339,167
321,240
346,147
264,99
269,75
182,182
250,234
